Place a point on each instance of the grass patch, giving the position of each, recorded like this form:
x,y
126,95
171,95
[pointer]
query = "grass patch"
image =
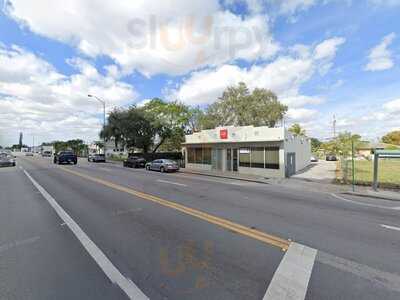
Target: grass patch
x,y
388,172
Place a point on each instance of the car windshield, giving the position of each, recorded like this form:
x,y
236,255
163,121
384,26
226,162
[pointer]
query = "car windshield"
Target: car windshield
x,y
169,161
66,153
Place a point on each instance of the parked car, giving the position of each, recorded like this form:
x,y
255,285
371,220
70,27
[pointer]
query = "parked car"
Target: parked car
x,y
65,157
46,153
96,158
28,153
6,160
331,157
163,165
314,158
134,162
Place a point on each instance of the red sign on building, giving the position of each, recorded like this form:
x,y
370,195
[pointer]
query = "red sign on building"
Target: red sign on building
x,y
223,134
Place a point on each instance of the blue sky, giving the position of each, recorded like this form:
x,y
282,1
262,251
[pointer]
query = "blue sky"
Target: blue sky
x,y
322,58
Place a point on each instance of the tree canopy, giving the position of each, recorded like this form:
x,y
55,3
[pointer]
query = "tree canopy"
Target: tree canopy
x,y
155,125
77,146
392,138
296,129
238,107
342,144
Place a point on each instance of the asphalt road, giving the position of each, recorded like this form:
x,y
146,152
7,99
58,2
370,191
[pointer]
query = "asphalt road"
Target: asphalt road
x,y
116,232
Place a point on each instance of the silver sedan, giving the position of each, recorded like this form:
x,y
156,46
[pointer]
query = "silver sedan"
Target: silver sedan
x,y
6,160
163,165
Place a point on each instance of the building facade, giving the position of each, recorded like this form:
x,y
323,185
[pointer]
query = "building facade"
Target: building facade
x,y
262,151
111,149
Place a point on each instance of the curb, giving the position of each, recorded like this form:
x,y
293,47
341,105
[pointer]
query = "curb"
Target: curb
x,y
227,177
372,196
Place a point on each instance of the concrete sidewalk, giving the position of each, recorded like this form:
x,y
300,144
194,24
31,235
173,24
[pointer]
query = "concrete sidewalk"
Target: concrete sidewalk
x,y
303,184
380,194
228,175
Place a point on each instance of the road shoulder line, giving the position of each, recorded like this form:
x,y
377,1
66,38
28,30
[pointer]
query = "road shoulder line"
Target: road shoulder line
x,y
130,289
291,279
390,227
171,182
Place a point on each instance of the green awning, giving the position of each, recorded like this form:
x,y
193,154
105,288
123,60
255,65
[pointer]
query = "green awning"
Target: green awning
x,y
388,153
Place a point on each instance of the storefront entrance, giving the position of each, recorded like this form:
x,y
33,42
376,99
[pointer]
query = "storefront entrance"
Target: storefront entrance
x,y
232,159
216,159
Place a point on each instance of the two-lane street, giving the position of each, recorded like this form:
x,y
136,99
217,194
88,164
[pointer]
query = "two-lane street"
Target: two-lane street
x,y
102,231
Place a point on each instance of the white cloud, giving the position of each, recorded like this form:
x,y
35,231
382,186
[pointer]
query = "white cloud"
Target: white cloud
x,y
328,48
289,7
301,100
285,76
147,36
301,114
380,57
392,106
36,98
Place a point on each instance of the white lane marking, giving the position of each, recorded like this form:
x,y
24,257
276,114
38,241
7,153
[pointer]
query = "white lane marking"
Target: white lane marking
x,y
11,245
390,227
364,204
290,280
377,277
171,182
130,289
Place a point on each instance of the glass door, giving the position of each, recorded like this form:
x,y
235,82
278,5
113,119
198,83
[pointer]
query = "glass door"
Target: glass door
x,y
229,159
235,160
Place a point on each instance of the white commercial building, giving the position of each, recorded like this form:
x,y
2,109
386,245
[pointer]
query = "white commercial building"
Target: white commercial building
x,y
111,149
262,151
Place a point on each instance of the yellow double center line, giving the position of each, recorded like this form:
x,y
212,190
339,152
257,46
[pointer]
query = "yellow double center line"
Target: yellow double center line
x,y
246,231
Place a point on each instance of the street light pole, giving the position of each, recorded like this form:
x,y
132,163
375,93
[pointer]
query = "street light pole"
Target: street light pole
x,y
104,120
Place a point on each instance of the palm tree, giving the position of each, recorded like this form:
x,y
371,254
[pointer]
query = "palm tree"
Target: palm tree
x,y
296,129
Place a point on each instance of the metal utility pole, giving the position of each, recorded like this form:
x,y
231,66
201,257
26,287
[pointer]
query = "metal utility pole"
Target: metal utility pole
x,y
334,126
353,164
104,120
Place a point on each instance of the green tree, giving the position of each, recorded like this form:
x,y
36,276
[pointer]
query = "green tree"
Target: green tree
x,y
169,119
130,127
342,145
116,127
296,129
238,107
392,138
315,144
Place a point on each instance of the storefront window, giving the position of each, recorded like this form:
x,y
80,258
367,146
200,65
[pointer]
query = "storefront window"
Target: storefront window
x,y
191,155
272,158
207,156
244,157
199,155
257,158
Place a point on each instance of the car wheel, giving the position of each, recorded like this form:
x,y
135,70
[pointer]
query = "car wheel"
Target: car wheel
x,y
162,170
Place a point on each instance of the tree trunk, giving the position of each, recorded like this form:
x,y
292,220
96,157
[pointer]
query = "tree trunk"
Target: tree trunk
x,y
158,145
